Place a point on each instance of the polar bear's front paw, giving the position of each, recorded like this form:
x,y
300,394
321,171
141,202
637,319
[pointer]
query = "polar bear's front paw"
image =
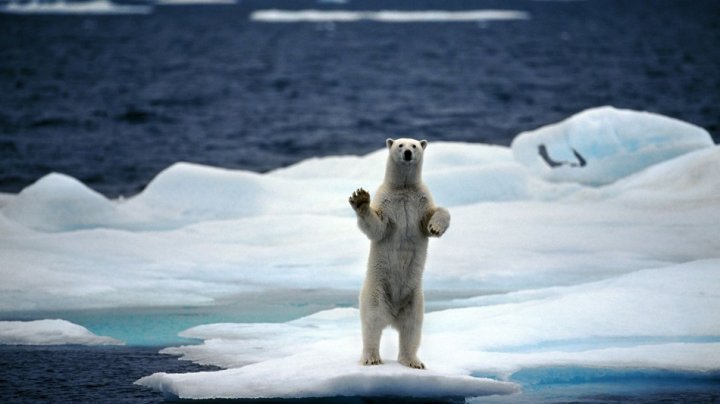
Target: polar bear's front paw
x,y
437,226
359,199
414,363
371,359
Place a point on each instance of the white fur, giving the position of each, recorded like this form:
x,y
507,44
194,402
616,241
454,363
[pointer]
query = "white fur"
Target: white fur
x,y
398,222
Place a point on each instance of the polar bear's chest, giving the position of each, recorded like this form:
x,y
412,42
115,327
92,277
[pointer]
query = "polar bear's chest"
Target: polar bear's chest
x,y
405,212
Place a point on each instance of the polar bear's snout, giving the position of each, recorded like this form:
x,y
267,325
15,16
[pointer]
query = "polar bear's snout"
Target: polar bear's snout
x,y
407,155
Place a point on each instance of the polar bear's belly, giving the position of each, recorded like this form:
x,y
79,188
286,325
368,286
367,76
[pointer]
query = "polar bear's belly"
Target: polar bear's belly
x,y
402,253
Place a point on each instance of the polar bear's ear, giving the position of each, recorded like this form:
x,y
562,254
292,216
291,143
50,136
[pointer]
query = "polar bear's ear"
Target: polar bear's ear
x,y
389,142
423,144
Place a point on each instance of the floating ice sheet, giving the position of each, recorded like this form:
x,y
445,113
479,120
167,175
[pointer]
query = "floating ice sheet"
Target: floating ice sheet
x,y
194,2
49,332
651,319
285,16
73,7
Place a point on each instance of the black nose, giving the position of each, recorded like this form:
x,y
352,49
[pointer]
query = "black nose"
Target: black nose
x,y
407,155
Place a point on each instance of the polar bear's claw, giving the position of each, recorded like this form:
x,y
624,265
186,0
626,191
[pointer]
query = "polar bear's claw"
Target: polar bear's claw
x,y
412,363
359,199
372,360
437,228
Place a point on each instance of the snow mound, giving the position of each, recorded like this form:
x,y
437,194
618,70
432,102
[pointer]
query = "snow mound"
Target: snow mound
x,y
692,177
49,332
601,145
58,202
647,319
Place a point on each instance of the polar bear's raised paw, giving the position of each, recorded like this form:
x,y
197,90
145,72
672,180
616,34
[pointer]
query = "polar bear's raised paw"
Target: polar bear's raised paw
x,y
359,199
437,226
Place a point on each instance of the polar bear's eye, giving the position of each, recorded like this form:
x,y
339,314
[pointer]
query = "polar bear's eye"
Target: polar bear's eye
x,y
414,147
400,146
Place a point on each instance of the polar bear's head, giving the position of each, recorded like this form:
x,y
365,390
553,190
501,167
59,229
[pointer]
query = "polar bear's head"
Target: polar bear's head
x,y
406,151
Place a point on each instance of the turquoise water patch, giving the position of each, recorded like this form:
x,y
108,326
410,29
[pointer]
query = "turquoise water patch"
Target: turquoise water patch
x,y
584,344
160,326
611,385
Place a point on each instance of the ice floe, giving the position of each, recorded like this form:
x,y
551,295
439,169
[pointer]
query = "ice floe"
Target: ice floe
x,y
287,16
73,7
50,332
647,319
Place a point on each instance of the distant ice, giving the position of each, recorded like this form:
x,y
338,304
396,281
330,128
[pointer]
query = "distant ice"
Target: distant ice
x,y
73,7
601,145
386,16
193,2
49,332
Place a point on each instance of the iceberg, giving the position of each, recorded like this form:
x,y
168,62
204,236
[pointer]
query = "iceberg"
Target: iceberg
x,y
50,332
601,145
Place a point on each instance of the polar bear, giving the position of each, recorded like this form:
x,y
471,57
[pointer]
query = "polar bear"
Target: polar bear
x,y
398,222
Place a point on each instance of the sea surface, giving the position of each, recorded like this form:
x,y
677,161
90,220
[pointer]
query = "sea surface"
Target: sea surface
x,y
114,99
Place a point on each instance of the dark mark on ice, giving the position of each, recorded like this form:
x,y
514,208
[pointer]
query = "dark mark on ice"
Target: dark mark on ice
x,y
542,150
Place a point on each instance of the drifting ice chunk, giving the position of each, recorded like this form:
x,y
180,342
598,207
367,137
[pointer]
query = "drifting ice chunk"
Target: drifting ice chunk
x,y
72,7
49,332
601,145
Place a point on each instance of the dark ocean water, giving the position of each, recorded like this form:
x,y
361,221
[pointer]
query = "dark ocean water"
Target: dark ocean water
x,y
76,374
112,100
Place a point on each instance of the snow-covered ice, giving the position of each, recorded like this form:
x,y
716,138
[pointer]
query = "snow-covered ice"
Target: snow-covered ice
x,y
601,145
647,319
564,272
50,332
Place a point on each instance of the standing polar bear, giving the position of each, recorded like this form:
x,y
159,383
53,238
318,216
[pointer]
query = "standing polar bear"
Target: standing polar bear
x,y
398,223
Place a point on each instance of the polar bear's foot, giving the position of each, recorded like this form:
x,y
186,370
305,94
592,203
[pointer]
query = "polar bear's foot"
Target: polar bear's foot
x,y
414,363
371,359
